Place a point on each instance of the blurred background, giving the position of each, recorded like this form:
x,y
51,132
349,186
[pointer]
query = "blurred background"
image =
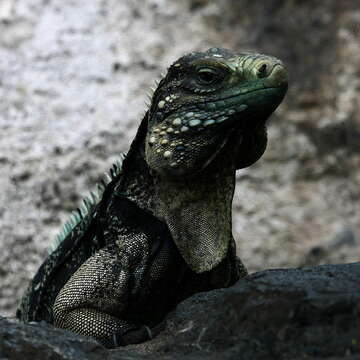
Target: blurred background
x,y
73,81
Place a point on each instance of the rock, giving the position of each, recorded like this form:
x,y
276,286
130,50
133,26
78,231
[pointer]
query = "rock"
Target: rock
x,y
305,313
41,341
279,314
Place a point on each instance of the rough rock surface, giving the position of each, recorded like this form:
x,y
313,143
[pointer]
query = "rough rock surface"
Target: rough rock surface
x,y
307,313
73,79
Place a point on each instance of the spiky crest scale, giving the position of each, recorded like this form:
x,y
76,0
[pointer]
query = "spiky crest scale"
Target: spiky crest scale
x,y
88,204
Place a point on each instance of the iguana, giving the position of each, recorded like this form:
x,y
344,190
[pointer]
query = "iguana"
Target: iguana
x,y
160,229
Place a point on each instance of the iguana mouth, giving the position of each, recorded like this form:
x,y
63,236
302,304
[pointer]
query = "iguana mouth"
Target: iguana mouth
x,y
247,93
225,111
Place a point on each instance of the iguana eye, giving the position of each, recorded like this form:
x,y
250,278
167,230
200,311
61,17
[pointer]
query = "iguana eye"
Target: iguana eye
x,y
207,76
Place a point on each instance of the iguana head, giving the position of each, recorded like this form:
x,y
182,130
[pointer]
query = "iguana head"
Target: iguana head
x,y
202,100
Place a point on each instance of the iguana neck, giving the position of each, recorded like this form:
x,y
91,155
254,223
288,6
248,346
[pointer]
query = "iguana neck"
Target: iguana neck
x,y
198,213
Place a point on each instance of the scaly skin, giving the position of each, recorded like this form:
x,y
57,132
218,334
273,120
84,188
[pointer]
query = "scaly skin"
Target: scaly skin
x,y
161,230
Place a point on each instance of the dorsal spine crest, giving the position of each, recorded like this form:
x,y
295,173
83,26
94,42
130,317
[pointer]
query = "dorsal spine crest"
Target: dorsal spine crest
x,y
88,204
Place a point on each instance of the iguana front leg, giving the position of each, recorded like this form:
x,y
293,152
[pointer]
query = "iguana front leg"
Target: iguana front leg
x,y
95,299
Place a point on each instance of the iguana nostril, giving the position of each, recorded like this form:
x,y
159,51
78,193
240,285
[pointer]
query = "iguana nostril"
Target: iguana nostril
x,y
262,71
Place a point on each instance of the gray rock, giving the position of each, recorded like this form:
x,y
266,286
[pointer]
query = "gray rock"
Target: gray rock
x,y
307,313
41,341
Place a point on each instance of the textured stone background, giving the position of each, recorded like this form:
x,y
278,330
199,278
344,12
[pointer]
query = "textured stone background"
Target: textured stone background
x,y
73,79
